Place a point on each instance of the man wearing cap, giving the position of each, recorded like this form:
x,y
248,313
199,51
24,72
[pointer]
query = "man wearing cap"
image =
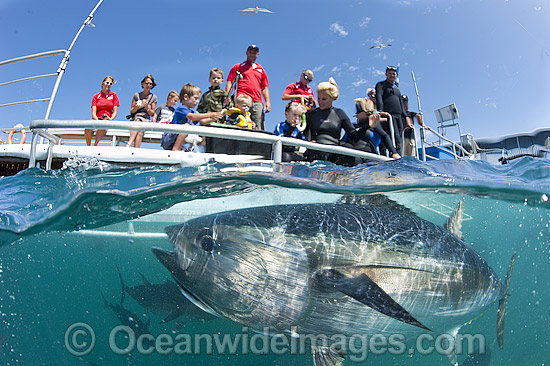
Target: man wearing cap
x,y
253,82
388,99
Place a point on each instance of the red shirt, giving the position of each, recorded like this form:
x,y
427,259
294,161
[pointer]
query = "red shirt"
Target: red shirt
x,y
105,103
297,88
253,81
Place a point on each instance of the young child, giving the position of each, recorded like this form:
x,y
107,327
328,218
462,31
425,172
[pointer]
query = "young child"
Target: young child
x,y
213,99
184,114
165,112
239,115
289,128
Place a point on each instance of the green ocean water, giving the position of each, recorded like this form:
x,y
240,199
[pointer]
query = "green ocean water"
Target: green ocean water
x,y
55,267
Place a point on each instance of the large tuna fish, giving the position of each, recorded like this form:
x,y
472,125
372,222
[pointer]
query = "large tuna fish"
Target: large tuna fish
x,y
331,269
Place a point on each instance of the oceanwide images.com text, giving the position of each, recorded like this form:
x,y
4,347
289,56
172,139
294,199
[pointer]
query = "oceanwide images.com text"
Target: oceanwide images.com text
x,y
80,340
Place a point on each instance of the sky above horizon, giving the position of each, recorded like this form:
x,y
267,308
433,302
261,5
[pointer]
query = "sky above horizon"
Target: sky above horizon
x,y
489,57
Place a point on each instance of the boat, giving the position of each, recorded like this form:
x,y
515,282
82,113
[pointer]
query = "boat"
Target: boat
x,y
54,142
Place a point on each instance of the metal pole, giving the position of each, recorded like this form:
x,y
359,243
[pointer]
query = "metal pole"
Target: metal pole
x,y
32,153
65,60
277,151
390,121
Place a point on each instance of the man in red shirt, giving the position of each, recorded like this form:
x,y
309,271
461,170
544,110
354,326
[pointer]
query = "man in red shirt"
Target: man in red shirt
x,y
253,82
301,92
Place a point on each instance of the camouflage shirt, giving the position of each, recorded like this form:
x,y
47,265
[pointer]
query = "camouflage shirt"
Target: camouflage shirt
x,y
212,100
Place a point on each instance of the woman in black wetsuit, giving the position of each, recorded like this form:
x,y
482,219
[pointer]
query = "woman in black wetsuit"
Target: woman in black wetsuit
x,y
368,120
325,123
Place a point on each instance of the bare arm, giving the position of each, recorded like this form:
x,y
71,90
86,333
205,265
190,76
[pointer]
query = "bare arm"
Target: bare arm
x,y
94,112
265,93
115,111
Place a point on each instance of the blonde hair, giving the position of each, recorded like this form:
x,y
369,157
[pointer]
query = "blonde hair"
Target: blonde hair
x,y
243,98
190,90
173,93
330,87
366,105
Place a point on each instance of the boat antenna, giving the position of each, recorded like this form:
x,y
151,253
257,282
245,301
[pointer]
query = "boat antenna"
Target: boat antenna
x,y
417,96
65,60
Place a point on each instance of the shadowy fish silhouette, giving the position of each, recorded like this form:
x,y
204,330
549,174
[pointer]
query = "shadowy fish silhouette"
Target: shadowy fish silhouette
x,y
164,299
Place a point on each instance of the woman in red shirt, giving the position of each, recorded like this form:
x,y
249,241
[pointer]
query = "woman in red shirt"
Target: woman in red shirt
x,y
104,106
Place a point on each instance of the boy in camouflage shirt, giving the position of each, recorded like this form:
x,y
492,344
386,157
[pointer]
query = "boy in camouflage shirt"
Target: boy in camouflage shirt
x,y
213,99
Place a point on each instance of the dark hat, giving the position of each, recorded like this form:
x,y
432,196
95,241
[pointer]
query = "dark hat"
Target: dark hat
x,y
253,47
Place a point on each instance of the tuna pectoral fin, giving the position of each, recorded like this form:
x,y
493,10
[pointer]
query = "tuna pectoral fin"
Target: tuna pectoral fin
x,y
326,356
454,223
366,291
502,303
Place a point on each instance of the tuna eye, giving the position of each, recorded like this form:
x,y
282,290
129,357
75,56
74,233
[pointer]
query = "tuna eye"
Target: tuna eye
x,y
207,243
205,240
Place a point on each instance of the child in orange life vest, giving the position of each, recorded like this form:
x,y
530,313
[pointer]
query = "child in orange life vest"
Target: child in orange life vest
x,y
239,115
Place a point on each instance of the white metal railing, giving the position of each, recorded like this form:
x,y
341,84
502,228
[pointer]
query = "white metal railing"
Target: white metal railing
x,y
38,128
455,146
60,70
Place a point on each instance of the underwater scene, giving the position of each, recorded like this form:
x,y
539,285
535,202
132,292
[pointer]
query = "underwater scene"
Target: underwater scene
x,y
395,263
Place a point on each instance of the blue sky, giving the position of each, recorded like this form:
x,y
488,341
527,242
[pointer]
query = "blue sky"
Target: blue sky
x,y
489,57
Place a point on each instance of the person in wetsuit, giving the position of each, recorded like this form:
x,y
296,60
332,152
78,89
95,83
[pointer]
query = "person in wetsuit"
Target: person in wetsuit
x,y
325,123
289,128
369,131
388,99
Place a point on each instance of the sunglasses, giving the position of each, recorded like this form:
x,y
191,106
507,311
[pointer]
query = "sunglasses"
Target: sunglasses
x,y
307,77
146,83
391,68
108,83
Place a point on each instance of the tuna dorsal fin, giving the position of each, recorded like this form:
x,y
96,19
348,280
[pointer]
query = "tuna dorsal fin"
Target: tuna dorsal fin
x,y
326,356
378,200
366,291
502,303
454,223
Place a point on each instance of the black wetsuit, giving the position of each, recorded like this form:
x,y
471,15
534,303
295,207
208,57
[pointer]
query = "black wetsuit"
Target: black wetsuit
x,y
388,99
364,142
325,126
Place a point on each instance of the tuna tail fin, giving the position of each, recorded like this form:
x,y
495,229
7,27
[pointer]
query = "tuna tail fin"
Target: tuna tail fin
x,y
123,286
326,356
105,302
454,223
366,291
502,303
144,279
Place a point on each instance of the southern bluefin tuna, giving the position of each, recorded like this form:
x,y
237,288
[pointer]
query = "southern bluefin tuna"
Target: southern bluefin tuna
x,y
343,269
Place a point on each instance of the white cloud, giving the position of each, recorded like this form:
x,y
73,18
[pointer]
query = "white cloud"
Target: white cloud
x,y
364,22
318,68
353,68
338,29
406,3
359,82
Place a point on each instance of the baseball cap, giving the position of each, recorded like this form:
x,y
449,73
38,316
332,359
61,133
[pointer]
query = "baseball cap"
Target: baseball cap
x,y
253,47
